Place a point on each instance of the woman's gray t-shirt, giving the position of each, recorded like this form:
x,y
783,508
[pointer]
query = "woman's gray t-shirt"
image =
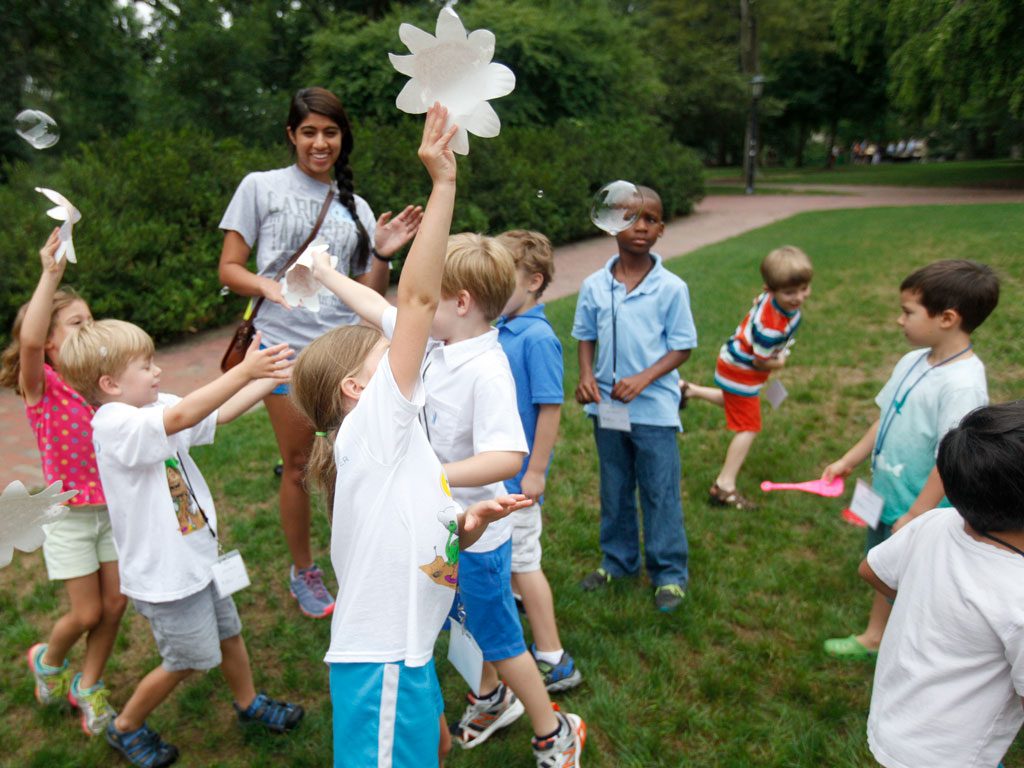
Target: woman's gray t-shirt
x,y
275,211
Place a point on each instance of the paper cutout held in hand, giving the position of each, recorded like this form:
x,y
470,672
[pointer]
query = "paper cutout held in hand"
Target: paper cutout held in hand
x,y
299,287
67,213
455,69
22,516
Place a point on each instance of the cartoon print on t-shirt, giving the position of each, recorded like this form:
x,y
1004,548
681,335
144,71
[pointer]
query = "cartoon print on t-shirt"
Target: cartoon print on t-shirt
x,y
189,519
445,570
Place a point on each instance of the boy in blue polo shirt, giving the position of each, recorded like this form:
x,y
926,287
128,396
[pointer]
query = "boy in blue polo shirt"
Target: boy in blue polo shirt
x,y
635,315
535,356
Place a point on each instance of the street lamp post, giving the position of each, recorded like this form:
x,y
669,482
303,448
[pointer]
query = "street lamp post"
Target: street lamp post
x,y
756,90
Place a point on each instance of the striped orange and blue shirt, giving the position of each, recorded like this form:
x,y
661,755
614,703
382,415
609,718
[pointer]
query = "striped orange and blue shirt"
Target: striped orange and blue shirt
x,y
764,332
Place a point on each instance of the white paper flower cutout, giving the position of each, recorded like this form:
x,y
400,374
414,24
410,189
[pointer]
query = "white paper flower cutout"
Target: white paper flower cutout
x,y
67,213
22,516
455,69
298,285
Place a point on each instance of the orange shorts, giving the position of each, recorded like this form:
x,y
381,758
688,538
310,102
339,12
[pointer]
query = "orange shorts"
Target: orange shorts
x,y
742,413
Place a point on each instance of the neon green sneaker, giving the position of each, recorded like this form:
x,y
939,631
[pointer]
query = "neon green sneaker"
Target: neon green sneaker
x,y
52,683
92,703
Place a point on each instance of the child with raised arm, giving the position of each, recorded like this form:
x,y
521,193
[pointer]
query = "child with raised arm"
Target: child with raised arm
x,y
928,393
164,521
949,682
396,531
633,316
79,549
535,357
758,346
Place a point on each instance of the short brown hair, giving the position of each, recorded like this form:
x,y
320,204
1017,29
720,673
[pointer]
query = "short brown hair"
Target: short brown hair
x,y
969,288
786,267
532,253
102,348
482,267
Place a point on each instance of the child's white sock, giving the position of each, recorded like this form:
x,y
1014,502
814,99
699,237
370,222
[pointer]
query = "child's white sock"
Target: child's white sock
x,y
548,657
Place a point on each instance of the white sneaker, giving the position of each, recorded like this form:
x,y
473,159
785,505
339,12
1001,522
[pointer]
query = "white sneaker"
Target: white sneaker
x,y
92,703
563,749
484,717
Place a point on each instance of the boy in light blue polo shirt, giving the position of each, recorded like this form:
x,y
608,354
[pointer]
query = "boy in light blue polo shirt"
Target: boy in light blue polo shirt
x,y
635,315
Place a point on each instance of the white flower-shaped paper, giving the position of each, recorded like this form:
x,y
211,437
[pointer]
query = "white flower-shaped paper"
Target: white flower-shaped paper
x,y
455,69
298,285
67,213
22,516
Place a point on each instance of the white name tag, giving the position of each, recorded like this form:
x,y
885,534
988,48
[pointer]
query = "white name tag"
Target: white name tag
x,y
867,504
465,655
775,393
613,416
229,574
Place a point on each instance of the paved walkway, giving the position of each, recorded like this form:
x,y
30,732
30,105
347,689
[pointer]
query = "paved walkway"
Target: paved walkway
x,y
718,217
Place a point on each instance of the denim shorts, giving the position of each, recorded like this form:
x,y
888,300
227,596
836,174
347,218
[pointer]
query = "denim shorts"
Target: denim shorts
x,y
485,587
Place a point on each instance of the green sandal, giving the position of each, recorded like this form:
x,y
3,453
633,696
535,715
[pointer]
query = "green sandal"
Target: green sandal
x,y
848,649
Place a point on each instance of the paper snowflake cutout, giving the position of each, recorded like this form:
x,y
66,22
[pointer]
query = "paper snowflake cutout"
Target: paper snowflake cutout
x,y
298,285
455,69
67,213
22,516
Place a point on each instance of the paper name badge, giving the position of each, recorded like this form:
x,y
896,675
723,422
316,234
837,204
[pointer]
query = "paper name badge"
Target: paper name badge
x,y
229,574
775,393
466,656
613,416
867,504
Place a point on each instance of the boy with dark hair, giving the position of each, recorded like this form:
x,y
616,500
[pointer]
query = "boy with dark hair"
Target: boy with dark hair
x,y
949,684
928,393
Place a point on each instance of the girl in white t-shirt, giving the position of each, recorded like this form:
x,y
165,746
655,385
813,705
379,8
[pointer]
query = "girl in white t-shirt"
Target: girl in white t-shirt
x,y
396,531
79,549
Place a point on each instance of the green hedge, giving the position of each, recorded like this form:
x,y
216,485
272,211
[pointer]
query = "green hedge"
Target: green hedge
x,y
148,242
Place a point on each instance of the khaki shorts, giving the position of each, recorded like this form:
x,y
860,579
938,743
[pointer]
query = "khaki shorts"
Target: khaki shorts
x,y
526,549
76,544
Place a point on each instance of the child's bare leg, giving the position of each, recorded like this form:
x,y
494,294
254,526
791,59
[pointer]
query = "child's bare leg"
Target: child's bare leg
x,y
540,608
521,675
734,458
237,670
148,695
880,610
100,641
444,746
710,394
84,613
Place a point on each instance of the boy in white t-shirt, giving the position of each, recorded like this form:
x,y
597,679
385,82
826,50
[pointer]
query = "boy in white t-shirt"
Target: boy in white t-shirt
x,y
164,521
949,683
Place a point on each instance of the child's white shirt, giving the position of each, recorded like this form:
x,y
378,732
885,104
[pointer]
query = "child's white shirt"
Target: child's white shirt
x,y
157,560
950,672
470,408
392,545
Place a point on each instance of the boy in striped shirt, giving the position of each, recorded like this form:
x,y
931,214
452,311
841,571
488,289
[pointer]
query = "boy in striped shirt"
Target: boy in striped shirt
x,y
759,346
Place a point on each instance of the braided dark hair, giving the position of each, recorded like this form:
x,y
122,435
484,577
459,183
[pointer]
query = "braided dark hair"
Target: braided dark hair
x,y
323,102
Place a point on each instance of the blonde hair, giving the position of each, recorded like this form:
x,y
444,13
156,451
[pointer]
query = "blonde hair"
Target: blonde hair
x,y
102,348
10,362
482,267
786,267
316,391
532,253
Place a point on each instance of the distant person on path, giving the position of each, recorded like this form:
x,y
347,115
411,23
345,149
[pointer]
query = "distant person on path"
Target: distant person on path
x,y
759,345
276,211
634,328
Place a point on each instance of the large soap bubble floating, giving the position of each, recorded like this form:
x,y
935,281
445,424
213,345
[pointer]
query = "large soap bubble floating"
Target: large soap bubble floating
x,y
455,69
22,517
616,206
37,128
299,287
67,213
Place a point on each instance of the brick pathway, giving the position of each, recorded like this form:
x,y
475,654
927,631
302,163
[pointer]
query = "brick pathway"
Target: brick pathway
x,y
718,217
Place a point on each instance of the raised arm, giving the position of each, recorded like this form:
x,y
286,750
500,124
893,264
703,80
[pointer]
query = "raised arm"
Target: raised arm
x,y
419,288
362,298
35,328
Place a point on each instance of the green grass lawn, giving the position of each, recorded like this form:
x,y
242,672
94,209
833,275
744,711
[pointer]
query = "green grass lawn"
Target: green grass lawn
x,y
993,174
736,677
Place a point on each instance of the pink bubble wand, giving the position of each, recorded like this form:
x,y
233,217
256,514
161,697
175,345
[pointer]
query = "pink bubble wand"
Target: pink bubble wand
x,y
818,487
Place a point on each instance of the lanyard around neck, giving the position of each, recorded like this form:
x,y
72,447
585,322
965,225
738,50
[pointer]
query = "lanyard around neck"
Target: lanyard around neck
x,y
615,334
1000,541
896,405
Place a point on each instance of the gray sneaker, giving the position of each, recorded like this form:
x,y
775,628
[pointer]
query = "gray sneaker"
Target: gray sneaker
x,y
92,704
596,579
668,597
307,586
51,682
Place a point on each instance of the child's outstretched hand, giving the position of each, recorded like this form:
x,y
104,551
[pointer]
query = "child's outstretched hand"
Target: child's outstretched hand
x,y
484,512
836,469
48,250
434,152
271,363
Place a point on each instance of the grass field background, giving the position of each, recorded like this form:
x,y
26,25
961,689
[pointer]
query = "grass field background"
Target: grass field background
x,y
734,678
991,174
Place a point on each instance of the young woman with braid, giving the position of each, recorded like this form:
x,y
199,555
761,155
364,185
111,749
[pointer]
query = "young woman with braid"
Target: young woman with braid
x,y
274,212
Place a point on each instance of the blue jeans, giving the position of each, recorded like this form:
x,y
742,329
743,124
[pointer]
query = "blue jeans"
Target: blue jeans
x,y
648,458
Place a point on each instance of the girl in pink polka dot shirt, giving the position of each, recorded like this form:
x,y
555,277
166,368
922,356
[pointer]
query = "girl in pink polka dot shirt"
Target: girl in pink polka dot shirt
x,y
79,548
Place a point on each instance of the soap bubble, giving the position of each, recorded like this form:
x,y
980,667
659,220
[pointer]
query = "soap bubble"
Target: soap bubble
x,y
540,194
224,290
616,206
37,128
